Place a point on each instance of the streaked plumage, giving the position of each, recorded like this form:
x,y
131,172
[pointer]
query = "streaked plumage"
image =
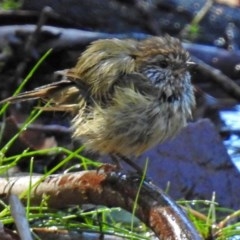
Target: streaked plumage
x,y
125,95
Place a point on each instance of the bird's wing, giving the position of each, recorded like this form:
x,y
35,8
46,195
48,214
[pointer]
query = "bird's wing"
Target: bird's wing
x,y
103,63
139,83
71,94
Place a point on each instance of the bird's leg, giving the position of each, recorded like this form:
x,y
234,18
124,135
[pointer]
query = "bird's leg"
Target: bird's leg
x,y
116,161
118,157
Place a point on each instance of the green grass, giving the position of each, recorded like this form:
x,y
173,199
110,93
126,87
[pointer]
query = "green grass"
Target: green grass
x,y
212,221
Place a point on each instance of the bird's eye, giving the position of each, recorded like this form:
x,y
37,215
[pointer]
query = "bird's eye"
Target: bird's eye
x,y
163,64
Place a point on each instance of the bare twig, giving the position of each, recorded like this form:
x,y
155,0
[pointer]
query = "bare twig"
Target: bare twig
x,y
227,84
197,19
50,128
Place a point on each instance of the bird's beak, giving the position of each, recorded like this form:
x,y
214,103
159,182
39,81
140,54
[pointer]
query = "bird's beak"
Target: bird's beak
x,y
188,65
191,64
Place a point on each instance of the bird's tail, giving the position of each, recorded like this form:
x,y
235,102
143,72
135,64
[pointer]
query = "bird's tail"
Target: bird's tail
x,y
63,96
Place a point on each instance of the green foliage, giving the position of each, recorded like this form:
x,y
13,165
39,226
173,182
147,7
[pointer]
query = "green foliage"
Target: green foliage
x,y
212,221
10,4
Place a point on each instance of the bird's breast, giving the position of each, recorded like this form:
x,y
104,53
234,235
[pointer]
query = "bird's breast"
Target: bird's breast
x,y
131,125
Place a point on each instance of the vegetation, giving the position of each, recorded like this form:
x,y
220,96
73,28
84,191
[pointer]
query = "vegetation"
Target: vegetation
x,y
10,4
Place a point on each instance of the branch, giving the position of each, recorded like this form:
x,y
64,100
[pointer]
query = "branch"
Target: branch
x,y
112,189
226,83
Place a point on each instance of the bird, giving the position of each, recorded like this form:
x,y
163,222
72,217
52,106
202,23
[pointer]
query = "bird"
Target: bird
x,y
125,95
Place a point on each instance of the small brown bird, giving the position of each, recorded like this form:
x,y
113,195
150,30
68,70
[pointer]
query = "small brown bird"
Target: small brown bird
x,y
125,95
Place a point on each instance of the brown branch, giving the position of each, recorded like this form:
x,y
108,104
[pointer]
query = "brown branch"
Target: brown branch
x,y
112,189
